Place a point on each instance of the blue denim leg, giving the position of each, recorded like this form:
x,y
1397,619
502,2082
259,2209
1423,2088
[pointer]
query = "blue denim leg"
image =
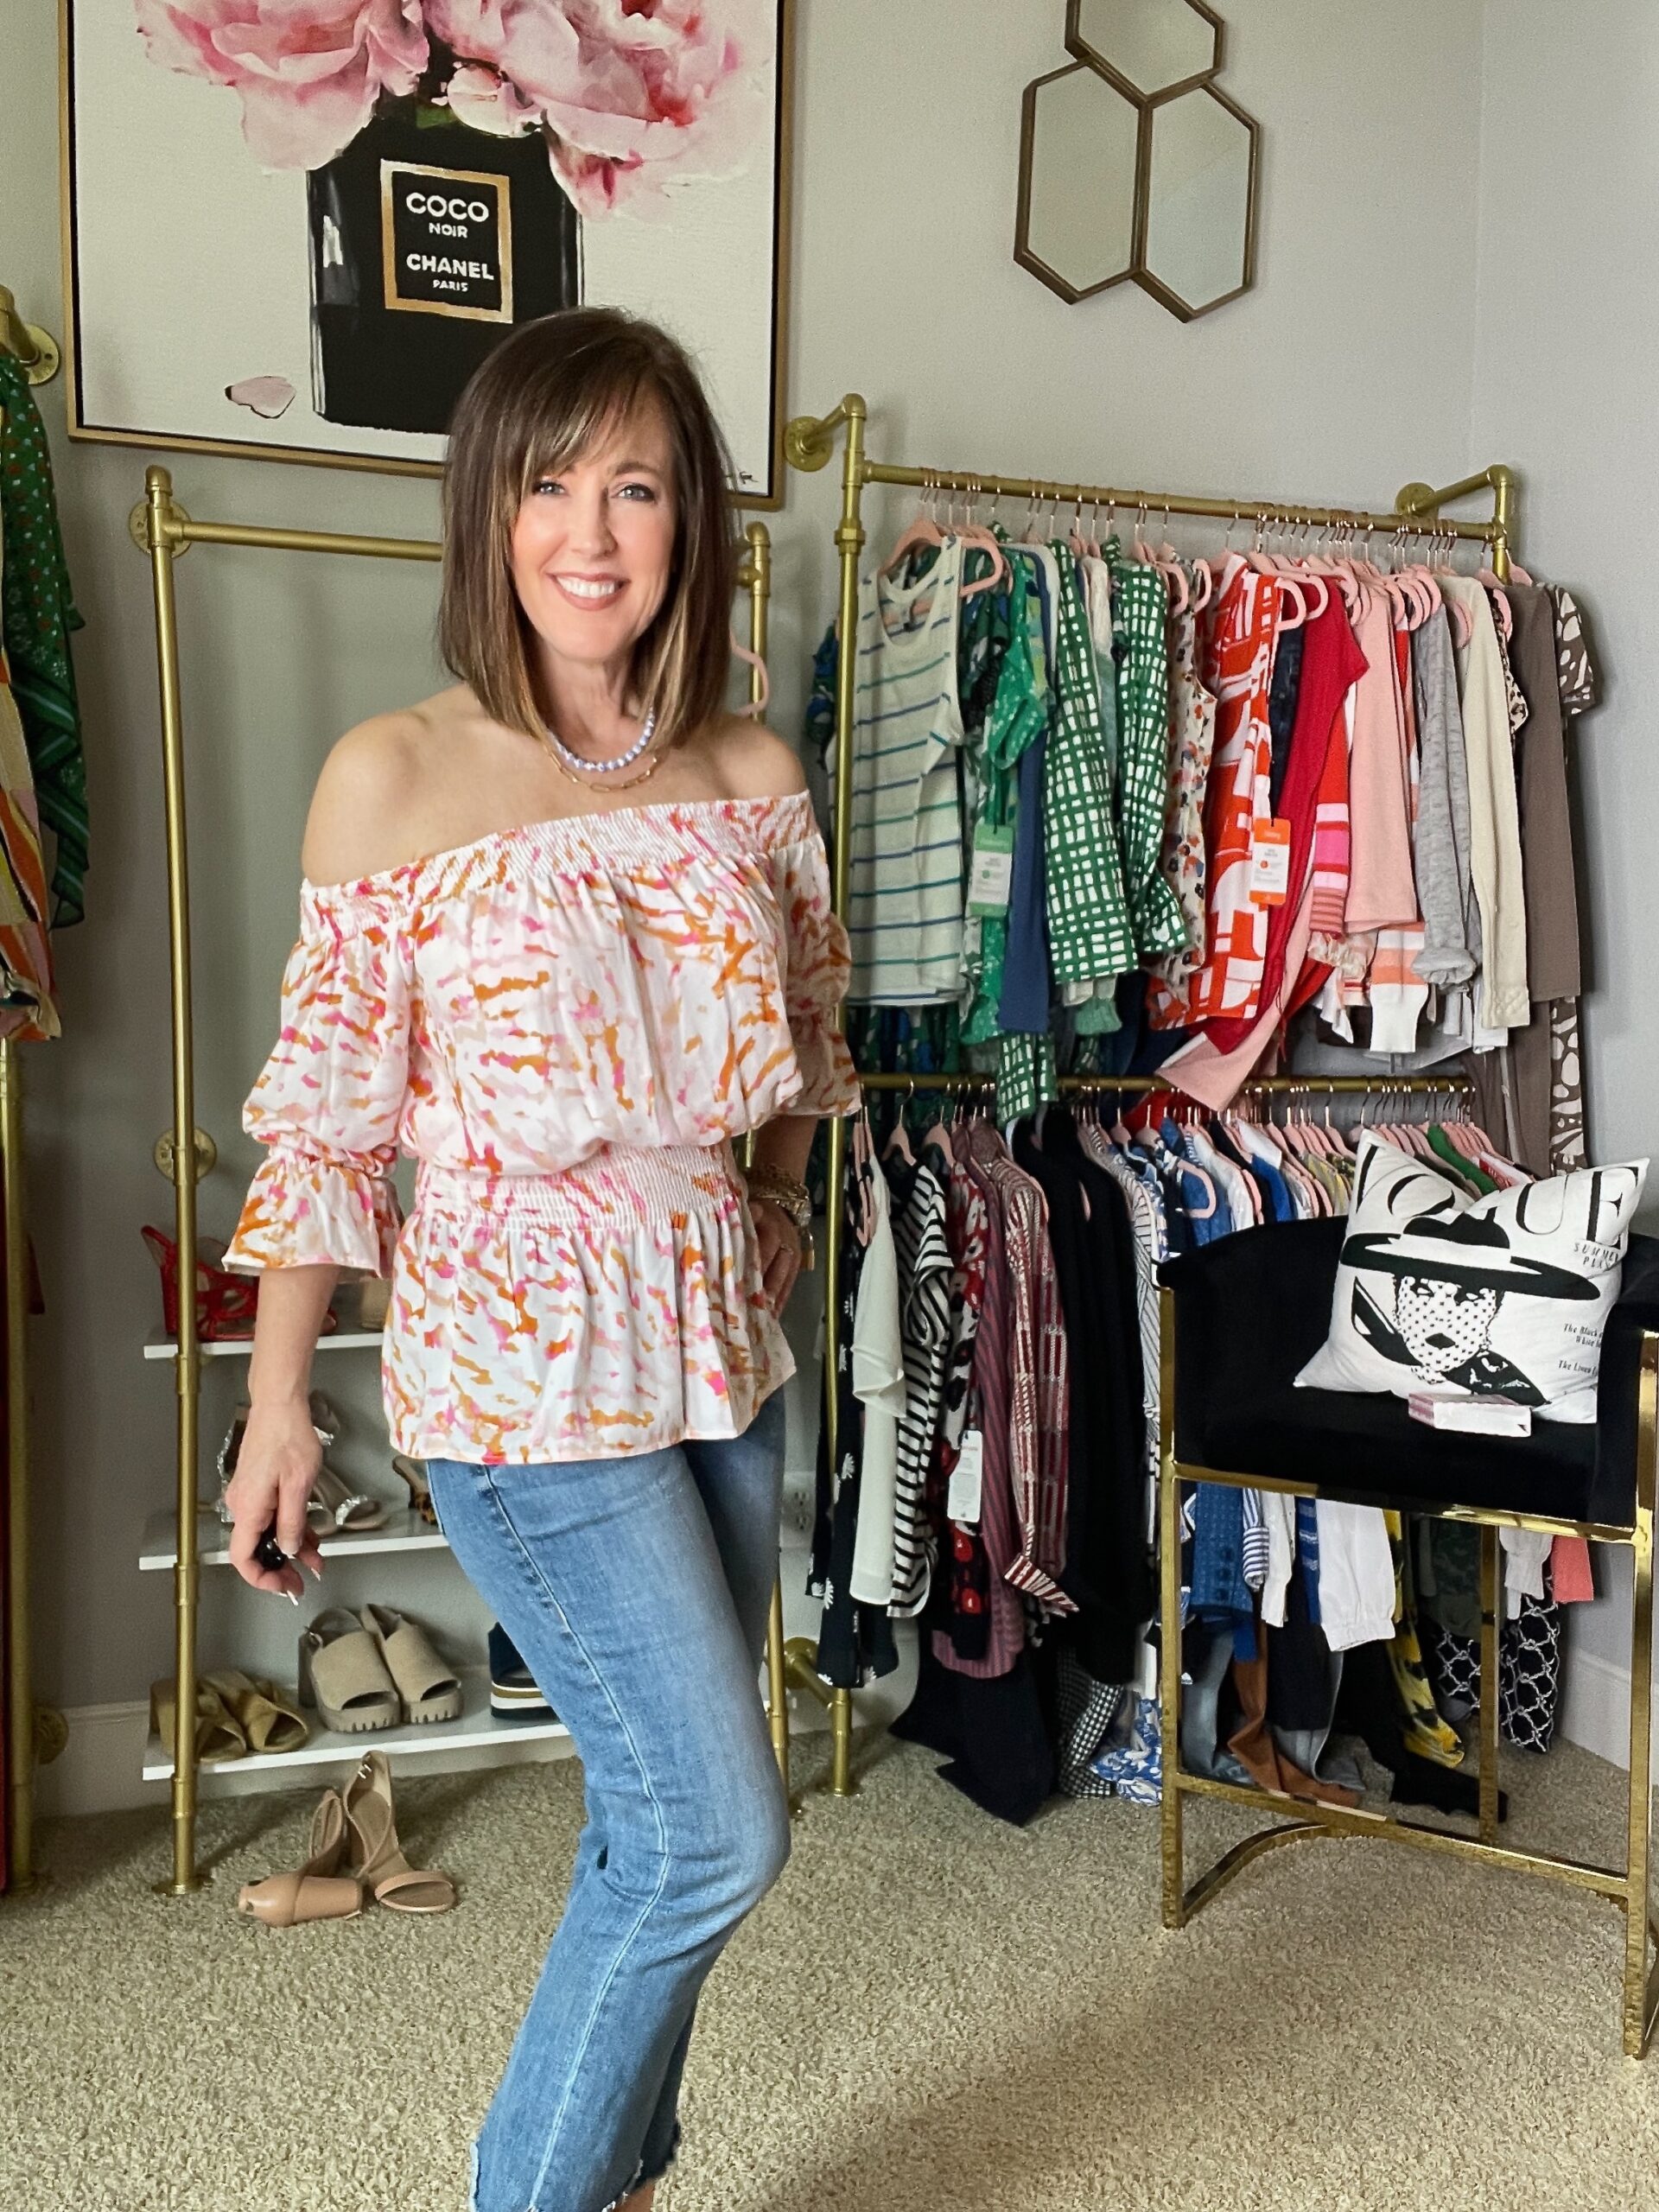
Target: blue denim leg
x,y
611,1577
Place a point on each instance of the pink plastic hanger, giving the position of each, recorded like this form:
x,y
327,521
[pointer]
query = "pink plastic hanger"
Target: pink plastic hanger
x,y
923,529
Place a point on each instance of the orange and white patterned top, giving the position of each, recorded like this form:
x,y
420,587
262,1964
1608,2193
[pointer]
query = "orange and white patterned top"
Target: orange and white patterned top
x,y
566,1025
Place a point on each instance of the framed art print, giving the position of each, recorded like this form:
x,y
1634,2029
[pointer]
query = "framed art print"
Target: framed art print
x,y
294,227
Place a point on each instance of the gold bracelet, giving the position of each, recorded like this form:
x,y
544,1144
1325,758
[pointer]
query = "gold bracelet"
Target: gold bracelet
x,y
789,1196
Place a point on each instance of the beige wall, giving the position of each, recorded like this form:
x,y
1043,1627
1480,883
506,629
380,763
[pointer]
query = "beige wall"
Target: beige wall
x,y
1565,386
1348,371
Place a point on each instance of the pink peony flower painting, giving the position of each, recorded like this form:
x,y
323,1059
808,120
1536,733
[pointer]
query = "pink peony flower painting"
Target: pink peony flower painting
x,y
632,96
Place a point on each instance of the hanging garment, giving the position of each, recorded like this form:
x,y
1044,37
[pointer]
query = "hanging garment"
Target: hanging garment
x,y
1139,599
1038,1395
1191,743
904,915
1440,849
982,1628
879,1386
1494,823
855,1642
37,618
1089,936
1240,673
27,1009
918,1231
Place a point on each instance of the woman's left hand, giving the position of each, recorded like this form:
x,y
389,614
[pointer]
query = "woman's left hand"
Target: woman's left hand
x,y
780,1244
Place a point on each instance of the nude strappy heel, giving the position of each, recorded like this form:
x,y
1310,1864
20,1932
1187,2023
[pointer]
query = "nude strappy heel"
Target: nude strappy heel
x,y
317,1892
373,1853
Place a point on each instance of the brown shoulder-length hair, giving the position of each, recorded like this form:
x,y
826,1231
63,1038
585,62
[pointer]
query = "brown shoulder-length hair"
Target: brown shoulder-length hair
x,y
540,400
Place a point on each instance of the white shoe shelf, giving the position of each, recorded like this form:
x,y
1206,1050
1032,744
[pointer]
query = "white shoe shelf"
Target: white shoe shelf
x,y
159,1345
477,1729
403,1531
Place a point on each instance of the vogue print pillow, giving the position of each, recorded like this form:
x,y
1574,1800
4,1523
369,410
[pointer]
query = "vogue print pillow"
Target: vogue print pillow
x,y
1505,1296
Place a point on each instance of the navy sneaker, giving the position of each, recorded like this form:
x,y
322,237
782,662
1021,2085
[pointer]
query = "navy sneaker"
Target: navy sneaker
x,y
513,1694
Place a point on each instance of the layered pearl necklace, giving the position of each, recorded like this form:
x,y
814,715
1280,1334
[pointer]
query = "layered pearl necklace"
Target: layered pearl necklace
x,y
586,769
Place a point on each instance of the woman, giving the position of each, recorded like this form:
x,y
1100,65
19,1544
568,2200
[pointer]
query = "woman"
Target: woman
x,y
566,932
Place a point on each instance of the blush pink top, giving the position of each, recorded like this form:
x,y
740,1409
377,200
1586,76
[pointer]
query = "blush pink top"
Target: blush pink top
x,y
566,1025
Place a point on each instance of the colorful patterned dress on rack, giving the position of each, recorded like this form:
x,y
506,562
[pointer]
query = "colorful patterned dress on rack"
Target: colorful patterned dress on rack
x,y
566,1025
37,617
1191,745
1140,610
1237,804
26,1008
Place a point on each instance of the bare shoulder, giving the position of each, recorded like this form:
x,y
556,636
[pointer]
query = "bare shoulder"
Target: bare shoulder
x,y
375,798
752,761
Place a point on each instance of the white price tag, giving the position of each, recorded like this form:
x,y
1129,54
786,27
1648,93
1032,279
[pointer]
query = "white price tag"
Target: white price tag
x,y
1270,863
962,1503
990,878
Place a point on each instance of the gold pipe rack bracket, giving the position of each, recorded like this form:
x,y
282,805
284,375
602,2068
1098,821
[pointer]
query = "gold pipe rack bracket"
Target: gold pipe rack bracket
x,y
29,342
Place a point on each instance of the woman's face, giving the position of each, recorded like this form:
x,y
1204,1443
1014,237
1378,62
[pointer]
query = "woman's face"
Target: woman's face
x,y
593,544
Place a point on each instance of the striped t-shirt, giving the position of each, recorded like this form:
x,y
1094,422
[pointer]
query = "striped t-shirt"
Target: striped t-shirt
x,y
905,908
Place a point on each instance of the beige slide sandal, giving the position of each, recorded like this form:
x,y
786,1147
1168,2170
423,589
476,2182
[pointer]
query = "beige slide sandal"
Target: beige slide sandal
x,y
316,1892
375,1855
343,1674
261,1711
429,1689
217,1737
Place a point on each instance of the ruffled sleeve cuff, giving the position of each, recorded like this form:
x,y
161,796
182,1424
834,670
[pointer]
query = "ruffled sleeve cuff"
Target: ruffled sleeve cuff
x,y
819,967
830,1084
305,1211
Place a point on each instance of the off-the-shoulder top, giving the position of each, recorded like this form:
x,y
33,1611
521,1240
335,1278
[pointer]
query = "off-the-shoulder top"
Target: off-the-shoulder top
x,y
566,1025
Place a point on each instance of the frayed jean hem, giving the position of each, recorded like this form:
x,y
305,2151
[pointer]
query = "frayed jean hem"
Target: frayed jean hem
x,y
642,2179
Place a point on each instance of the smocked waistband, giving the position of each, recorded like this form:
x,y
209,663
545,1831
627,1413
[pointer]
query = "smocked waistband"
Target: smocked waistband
x,y
639,1183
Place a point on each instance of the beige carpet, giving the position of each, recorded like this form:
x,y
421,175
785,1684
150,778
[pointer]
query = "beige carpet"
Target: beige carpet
x,y
933,2010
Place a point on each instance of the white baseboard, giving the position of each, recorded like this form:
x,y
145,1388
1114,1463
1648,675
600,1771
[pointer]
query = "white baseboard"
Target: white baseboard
x,y
1596,1709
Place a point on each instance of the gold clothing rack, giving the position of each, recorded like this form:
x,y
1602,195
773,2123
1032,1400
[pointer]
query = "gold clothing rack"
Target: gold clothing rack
x,y
809,443
32,1734
161,528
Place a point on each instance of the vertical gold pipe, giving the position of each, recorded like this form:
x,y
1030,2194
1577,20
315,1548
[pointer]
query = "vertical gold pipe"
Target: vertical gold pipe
x,y
849,543
20,1641
778,1685
1503,520
158,488
1169,1654
759,543
1639,1844
1490,1599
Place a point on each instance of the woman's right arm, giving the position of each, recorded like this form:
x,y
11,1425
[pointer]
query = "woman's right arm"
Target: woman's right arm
x,y
328,1107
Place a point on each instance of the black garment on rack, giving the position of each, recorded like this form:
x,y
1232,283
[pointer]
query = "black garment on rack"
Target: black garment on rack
x,y
1109,1570
1282,696
855,1642
994,1734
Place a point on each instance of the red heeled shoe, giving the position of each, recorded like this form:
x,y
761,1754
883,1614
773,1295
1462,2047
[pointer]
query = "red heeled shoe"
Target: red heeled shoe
x,y
225,1303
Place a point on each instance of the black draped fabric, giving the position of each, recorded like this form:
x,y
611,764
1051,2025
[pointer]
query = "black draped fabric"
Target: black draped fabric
x,y
1109,1571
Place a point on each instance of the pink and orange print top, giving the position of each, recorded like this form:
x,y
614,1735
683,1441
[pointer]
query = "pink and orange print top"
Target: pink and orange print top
x,y
565,1025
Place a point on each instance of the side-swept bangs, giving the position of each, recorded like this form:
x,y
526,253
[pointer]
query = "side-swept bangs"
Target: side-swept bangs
x,y
547,395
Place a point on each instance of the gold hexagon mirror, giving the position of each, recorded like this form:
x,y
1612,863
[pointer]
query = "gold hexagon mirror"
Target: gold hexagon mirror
x,y
1134,163
1149,47
1198,249
1079,147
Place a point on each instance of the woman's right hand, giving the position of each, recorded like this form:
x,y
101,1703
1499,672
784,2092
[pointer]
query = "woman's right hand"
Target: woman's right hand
x,y
276,1466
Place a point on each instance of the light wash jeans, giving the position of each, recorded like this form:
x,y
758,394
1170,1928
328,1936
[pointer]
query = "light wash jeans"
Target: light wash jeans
x,y
636,1591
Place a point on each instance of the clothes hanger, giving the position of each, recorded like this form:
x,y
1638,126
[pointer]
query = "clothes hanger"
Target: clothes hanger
x,y
922,528
972,531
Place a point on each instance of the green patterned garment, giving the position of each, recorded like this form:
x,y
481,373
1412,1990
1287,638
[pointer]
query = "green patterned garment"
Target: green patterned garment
x,y
37,614
1018,711
1027,1075
1090,934
1140,612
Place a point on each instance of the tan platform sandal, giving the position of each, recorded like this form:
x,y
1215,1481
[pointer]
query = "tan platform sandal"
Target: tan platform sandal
x,y
217,1737
373,1853
430,1690
318,1890
261,1711
344,1676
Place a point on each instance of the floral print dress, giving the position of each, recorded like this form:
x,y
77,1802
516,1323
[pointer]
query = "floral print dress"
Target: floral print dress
x,y
565,1025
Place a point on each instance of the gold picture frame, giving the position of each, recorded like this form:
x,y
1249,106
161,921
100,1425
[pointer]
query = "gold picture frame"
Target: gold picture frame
x,y
766,496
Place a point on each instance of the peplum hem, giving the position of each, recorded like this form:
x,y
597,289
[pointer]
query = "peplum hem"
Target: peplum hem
x,y
304,1211
612,1309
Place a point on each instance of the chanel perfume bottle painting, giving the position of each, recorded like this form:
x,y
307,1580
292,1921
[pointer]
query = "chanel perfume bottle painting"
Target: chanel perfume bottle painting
x,y
365,196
